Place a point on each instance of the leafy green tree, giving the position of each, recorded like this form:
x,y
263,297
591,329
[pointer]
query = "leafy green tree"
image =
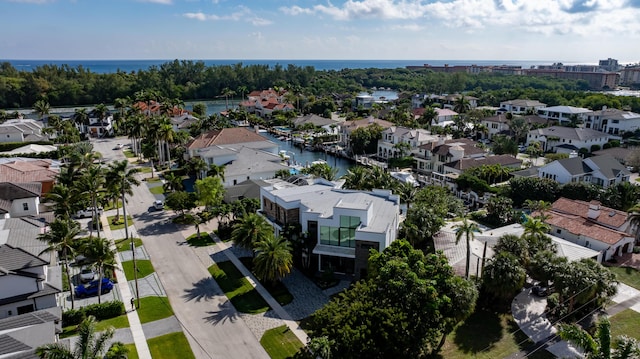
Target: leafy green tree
x,y
466,229
365,139
199,109
534,188
500,211
181,201
583,284
250,230
210,191
376,318
545,264
323,170
598,345
61,238
503,276
504,145
621,196
172,182
89,345
515,245
273,259
582,191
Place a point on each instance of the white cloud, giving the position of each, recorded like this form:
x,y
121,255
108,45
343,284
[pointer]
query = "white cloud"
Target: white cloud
x,y
163,2
243,14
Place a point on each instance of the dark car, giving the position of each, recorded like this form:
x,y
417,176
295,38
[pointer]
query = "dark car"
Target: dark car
x,y
540,291
91,289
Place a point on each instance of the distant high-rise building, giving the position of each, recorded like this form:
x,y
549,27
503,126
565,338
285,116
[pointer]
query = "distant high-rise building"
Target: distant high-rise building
x,y
609,65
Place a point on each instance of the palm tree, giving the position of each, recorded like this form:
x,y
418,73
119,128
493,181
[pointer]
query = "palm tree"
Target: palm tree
x,y
172,182
196,165
599,345
250,230
215,170
634,219
60,238
242,90
135,129
273,259
81,119
227,92
119,173
89,345
461,104
102,112
357,178
165,138
407,192
91,183
63,200
467,229
41,107
103,257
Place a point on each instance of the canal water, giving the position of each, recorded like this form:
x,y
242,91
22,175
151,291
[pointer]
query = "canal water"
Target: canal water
x,y
302,157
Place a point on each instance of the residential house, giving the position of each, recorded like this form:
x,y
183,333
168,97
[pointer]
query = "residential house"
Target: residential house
x,y
521,106
623,155
392,138
498,124
100,127
449,101
31,149
444,117
22,130
20,335
604,170
20,199
567,139
339,226
432,156
244,153
329,125
348,127
591,225
23,170
264,102
613,121
564,114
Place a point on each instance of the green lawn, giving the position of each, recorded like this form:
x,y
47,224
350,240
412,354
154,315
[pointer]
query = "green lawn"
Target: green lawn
x,y
278,291
487,335
170,346
154,308
125,244
145,169
238,289
120,224
627,323
627,275
111,206
144,268
133,352
153,180
128,153
157,190
117,322
280,342
203,241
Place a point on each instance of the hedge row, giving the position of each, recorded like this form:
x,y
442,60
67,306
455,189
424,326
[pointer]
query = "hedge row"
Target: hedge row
x,y
101,311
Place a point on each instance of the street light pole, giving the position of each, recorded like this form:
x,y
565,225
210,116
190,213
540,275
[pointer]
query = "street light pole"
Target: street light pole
x,y
133,245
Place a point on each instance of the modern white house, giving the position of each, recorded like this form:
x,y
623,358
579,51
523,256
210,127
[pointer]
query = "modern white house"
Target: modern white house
x,y
444,117
563,114
22,130
338,226
567,139
591,225
392,137
603,170
522,106
613,121
19,199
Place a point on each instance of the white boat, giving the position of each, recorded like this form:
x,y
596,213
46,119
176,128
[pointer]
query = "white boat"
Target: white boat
x,y
405,177
283,154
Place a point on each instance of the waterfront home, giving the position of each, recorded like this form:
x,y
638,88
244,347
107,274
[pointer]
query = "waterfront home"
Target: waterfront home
x,y
521,106
567,139
563,114
328,125
338,227
263,103
394,137
603,170
348,127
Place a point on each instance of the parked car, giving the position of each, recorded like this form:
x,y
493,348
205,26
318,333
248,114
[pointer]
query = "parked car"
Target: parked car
x,y
91,289
118,146
87,275
88,212
158,205
540,291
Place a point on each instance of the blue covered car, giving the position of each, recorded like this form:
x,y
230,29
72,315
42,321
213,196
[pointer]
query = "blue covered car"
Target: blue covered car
x,y
91,289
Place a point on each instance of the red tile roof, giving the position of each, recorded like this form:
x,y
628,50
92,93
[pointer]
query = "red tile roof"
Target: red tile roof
x,y
584,227
27,171
225,136
608,216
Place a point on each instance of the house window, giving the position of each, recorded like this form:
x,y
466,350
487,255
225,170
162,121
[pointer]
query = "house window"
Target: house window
x,y
25,206
343,236
558,231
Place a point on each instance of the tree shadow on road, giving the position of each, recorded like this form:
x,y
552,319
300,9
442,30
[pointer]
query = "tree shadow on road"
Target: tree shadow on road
x,y
226,312
204,289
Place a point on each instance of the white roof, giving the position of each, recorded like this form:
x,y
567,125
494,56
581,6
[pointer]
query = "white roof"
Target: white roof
x,y
566,109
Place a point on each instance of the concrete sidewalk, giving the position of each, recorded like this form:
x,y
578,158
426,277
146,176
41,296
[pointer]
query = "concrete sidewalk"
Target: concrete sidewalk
x,y
134,321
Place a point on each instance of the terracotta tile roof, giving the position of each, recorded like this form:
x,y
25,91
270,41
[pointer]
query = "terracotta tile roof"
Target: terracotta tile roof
x,y
225,136
608,216
584,227
22,171
352,125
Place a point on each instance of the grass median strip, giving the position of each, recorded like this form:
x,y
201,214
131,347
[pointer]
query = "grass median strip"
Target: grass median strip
x,y
125,244
118,322
154,308
627,275
170,346
144,268
203,241
280,342
237,288
120,224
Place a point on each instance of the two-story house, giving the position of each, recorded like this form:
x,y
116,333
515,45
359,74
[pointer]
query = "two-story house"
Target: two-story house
x,y
396,140
613,121
22,130
339,226
603,170
563,114
264,102
567,139
20,199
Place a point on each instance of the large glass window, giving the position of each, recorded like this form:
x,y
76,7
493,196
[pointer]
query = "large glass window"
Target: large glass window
x,y
343,236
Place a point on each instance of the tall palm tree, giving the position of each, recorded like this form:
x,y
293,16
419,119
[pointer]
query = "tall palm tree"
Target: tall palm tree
x,y
273,260
81,119
103,257
215,170
250,230
467,229
89,345
102,112
242,90
63,200
172,182
165,138
61,238
125,179
461,104
42,108
357,178
91,183
599,345
135,129
227,92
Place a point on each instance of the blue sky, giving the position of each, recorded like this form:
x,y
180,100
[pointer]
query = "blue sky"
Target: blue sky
x,y
549,30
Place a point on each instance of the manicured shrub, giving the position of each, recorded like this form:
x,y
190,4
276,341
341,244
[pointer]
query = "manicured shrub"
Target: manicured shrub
x,y
101,311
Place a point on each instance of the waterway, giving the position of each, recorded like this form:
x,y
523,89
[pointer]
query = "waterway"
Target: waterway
x,y
301,157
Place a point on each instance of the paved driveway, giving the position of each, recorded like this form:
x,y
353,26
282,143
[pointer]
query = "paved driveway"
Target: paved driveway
x,y
211,324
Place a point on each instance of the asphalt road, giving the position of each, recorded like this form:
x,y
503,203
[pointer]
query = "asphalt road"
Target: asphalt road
x,y
211,324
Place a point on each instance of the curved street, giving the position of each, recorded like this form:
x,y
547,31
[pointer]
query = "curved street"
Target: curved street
x,y
211,324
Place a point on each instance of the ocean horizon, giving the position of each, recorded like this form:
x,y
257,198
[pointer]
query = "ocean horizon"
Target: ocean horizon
x,y
112,66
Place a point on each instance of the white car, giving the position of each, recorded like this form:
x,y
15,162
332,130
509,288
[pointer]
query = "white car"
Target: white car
x,y
88,212
87,275
158,205
118,146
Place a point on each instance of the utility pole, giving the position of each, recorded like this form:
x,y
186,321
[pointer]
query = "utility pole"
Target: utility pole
x,y
133,245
